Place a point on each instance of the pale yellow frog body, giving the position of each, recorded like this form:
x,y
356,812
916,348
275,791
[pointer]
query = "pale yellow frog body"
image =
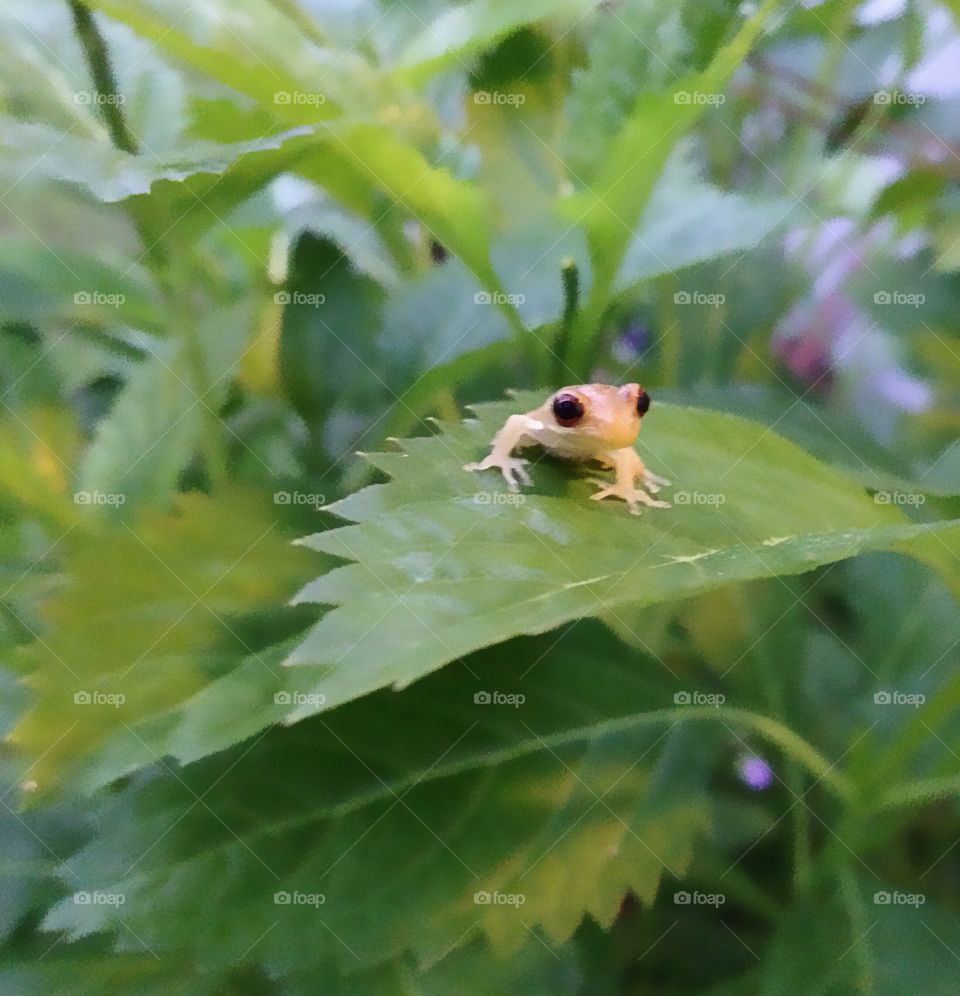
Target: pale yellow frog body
x,y
583,422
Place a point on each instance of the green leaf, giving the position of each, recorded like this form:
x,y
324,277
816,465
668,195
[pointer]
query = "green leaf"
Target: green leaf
x,y
621,798
454,211
529,260
84,969
157,423
327,343
84,289
687,221
152,611
842,443
632,48
610,207
94,972
461,31
108,172
895,948
234,60
446,563
39,447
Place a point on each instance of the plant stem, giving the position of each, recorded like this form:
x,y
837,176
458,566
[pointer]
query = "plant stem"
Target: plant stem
x,y
98,62
800,829
302,20
920,793
570,278
853,903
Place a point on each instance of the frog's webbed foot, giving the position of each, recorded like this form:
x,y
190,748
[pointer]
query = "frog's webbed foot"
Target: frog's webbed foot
x,y
514,469
634,497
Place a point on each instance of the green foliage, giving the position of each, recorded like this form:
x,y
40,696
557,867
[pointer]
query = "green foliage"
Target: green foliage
x,y
277,719
439,542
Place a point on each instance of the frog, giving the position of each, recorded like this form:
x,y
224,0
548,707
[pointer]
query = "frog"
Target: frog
x,y
583,422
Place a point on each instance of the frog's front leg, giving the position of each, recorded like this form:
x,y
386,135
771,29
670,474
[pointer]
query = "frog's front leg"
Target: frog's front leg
x,y
629,467
515,432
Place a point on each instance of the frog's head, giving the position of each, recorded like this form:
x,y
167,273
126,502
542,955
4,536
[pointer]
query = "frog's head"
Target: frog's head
x,y
600,416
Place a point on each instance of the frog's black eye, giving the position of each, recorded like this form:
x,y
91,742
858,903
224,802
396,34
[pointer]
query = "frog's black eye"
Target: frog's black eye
x,y
643,403
567,409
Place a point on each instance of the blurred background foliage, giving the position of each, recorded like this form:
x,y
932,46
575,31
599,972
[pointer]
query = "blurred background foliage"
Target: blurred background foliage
x,y
242,241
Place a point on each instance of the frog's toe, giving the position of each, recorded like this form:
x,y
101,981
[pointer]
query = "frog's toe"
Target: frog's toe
x,y
650,478
515,473
605,489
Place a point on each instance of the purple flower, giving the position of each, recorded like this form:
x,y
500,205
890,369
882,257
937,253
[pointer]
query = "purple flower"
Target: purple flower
x,y
754,772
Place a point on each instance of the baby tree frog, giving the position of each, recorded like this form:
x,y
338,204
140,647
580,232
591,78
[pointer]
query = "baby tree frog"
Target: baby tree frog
x,y
583,422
